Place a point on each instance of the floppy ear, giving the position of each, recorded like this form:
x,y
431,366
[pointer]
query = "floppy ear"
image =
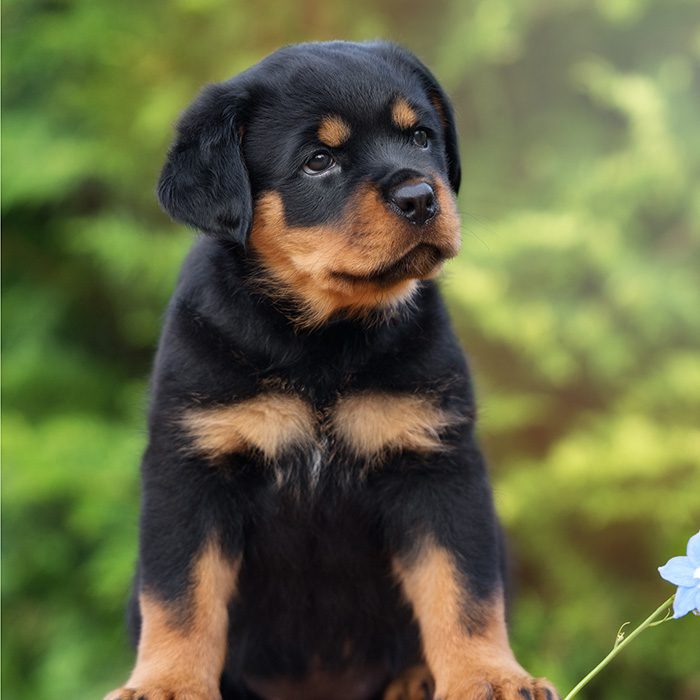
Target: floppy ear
x,y
204,182
443,107
439,100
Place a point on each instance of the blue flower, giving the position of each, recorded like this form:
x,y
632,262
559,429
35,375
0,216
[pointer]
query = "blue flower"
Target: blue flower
x,y
684,572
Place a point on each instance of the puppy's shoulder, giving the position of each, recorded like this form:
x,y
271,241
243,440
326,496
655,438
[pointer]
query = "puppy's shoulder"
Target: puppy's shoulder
x,y
210,323
209,271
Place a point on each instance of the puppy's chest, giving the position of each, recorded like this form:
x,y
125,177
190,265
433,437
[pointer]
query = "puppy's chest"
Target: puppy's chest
x,y
286,430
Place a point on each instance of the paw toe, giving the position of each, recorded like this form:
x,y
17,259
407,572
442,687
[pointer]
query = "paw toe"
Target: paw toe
x,y
526,689
120,694
529,689
544,690
518,689
155,694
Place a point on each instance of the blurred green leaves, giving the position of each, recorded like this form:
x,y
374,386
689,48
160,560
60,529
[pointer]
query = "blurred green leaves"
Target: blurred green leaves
x,y
576,295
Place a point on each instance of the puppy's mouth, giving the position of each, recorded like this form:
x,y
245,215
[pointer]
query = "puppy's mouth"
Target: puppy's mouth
x,y
418,263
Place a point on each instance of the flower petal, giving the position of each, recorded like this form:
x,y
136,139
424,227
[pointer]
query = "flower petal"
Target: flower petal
x,y
684,602
678,571
694,549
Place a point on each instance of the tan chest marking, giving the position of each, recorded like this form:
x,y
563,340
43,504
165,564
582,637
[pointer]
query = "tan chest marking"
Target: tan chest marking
x,y
368,424
372,423
269,423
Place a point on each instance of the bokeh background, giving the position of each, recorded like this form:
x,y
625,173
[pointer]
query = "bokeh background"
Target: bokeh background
x,y
577,297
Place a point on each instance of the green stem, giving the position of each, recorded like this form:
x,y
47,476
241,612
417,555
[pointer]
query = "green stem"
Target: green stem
x,y
649,622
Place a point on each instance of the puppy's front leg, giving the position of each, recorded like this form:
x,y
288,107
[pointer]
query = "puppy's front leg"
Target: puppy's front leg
x,y
187,576
451,576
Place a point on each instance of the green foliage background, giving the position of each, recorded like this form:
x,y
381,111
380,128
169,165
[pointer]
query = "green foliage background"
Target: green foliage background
x,y
577,296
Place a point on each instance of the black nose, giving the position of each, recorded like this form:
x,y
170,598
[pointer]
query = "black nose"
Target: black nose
x,y
416,201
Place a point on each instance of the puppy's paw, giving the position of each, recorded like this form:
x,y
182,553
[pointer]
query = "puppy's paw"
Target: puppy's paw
x,y
414,683
497,684
162,691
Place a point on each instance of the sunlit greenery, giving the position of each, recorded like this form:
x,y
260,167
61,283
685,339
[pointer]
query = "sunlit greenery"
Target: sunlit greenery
x,y
577,296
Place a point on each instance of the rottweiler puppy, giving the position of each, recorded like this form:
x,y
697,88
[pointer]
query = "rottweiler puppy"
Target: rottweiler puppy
x,y
317,521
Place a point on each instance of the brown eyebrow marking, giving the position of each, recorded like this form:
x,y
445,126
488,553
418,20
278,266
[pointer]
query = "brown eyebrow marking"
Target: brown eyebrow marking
x,y
269,422
403,115
373,422
439,108
333,131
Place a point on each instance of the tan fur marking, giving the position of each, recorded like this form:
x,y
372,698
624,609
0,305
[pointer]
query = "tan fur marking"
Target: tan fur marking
x,y
269,423
440,109
371,423
413,683
333,131
465,665
185,658
403,115
324,268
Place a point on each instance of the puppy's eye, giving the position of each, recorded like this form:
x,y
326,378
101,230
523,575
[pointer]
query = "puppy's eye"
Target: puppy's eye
x,y
319,163
420,138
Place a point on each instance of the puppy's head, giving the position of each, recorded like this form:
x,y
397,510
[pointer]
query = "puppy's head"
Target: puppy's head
x,y
335,165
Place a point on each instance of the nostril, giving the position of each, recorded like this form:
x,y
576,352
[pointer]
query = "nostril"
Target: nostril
x,y
416,201
406,204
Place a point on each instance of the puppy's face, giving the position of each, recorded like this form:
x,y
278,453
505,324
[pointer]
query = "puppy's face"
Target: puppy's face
x,y
349,157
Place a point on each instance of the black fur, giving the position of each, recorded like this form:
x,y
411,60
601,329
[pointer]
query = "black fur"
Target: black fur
x,y
316,560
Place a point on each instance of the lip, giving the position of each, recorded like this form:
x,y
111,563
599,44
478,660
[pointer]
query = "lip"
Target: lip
x,y
417,263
